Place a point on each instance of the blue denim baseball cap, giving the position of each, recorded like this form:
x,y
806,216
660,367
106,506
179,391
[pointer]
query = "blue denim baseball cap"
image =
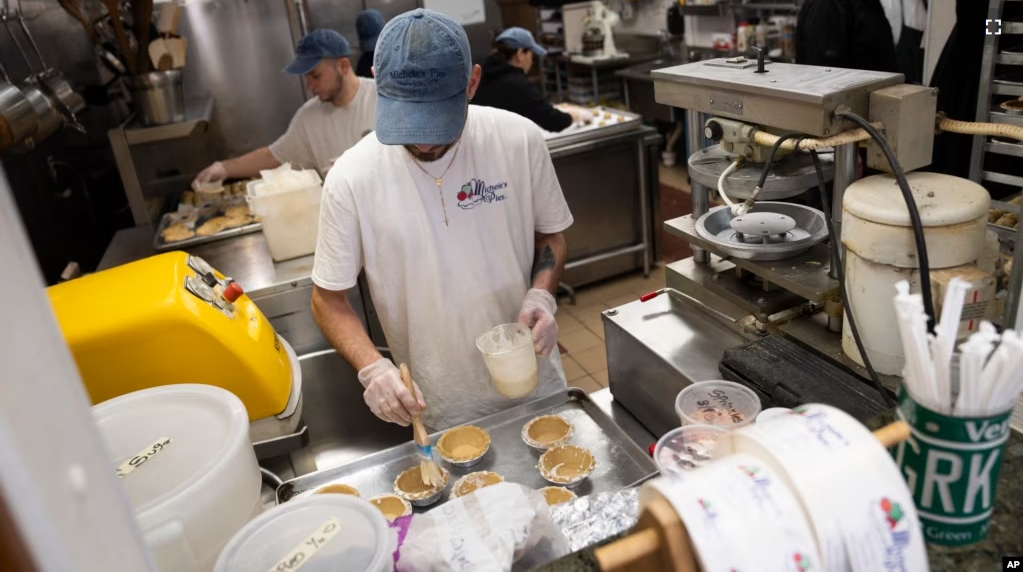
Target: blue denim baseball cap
x,y
315,46
422,65
369,23
516,37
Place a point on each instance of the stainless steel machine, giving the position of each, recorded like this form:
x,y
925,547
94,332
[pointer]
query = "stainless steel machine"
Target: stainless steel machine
x,y
759,302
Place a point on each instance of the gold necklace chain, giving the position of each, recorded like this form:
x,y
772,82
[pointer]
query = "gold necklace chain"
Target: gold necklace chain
x,y
439,180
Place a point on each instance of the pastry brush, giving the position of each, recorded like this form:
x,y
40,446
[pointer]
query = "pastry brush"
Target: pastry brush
x,y
429,472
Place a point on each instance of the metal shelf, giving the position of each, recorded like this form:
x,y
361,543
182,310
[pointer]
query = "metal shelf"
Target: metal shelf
x,y
197,117
1005,118
1003,178
1008,58
1004,87
1001,148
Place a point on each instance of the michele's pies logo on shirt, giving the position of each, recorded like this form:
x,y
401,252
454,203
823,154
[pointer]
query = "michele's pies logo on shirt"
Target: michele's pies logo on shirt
x,y
476,192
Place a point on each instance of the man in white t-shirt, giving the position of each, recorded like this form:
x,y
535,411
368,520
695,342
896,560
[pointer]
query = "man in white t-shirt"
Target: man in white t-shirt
x,y
457,217
324,127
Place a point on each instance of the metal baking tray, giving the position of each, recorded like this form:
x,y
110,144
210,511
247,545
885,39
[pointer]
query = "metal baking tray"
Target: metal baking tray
x,y
631,122
167,219
620,462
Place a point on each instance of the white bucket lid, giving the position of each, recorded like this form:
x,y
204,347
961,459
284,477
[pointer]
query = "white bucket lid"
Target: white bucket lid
x,y
358,537
205,424
941,200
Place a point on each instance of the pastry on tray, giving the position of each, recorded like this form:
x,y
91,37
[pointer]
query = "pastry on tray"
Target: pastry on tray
x,y
177,232
337,488
474,482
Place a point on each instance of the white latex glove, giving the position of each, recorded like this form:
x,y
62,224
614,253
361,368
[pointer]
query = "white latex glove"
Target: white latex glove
x,y
538,313
214,173
386,394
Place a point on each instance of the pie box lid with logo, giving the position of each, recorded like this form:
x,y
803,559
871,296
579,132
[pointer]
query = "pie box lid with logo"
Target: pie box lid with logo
x,y
951,465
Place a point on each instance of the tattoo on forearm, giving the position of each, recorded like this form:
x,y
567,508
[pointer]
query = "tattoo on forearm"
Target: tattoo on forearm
x,y
543,261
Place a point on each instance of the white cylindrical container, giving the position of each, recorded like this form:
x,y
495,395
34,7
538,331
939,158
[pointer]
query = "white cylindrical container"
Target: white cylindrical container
x,y
880,250
322,533
184,457
290,218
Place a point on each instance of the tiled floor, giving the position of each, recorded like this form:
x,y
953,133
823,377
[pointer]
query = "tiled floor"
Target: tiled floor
x,y
581,333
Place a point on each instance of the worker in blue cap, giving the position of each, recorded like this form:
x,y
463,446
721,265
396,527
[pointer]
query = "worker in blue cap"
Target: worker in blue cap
x,y
369,23
456,215
339,114
504,83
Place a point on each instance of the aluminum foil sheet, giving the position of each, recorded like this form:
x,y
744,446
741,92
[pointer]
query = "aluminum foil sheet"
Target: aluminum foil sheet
x,y
589,520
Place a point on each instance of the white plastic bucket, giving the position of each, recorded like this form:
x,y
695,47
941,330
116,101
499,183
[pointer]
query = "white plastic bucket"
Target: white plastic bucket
x,y
191,473
290,219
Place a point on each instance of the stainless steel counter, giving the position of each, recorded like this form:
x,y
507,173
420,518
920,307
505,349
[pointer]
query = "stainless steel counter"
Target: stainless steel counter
x,y
245,258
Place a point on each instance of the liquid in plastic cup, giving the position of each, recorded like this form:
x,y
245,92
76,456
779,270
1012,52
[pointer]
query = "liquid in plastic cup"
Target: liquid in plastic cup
x,y
510,359
687,448
717,402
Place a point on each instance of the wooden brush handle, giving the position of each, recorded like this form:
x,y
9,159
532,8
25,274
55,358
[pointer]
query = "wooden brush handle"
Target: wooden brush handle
x,y
419,433
893,433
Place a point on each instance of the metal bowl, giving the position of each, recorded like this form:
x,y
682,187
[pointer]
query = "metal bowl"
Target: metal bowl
x,y
810,229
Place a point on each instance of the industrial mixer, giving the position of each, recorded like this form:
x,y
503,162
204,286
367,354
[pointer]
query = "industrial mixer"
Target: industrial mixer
x,y
765,268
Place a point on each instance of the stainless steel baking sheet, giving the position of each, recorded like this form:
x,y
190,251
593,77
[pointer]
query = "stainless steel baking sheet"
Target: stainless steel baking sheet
x,y
620,462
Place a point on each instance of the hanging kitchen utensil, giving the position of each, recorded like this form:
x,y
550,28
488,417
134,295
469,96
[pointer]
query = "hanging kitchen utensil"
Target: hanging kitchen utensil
x,y
67,101
122,38
167,21
177,48
158,53
17,117
72,8
48,118
142,15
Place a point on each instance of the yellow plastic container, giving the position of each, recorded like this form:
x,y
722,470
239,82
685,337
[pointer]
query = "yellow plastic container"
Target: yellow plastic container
x,y
139,325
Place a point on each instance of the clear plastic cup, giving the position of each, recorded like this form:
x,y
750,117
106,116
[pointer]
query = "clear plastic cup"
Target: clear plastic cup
x,y
687,448
717,402
510,359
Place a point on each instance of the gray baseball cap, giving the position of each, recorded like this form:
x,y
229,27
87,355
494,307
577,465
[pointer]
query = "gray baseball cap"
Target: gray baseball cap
x,y
315,46
422,66
517,37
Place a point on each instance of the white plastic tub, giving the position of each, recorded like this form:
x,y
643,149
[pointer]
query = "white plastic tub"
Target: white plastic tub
x,y
290,217
197,490
326,533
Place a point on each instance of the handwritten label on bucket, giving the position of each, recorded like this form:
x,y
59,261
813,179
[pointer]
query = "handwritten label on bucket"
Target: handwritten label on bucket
x,y
144,455
310,546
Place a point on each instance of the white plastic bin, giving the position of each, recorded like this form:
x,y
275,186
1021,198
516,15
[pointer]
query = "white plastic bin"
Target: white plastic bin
x,y
347,534
289,218
195,492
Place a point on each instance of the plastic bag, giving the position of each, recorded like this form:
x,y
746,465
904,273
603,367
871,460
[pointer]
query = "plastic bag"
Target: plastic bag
x,y
498,528
284,178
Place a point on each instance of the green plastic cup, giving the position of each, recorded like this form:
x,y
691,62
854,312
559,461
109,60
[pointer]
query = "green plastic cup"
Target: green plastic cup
x,y
951,465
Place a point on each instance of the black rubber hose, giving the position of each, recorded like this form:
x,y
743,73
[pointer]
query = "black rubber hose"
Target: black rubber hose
x,y
749,203
834,245
915,217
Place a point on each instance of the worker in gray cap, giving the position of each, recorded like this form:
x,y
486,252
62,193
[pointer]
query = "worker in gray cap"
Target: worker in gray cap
x,y
456,215
339,114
